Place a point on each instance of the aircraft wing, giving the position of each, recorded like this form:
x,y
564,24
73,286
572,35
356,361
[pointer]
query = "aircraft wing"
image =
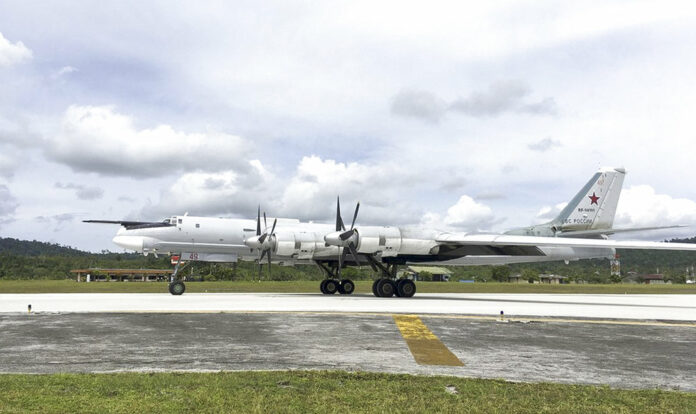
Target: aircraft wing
x,y
606,232
132,225
504,240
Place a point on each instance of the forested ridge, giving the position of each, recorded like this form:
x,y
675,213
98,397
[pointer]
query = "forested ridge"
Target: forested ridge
x,y
23,259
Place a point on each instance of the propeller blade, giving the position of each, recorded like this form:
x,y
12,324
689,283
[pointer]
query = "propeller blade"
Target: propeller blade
x,y
346,235
355,215
269,265
275,221
263,253
354,253
263,238
339,221
265,225
340,261
258,222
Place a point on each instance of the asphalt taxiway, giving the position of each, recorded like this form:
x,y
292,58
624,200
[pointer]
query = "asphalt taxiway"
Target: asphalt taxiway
x,y
626,341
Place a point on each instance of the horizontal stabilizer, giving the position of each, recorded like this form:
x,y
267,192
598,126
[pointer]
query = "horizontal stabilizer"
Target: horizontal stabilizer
x,y
454,239
606,232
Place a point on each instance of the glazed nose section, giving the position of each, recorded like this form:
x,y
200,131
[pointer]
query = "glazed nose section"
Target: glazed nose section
x,y
129,242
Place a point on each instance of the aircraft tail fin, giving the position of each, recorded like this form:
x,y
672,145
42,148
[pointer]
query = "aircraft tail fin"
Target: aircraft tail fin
x,y
594,206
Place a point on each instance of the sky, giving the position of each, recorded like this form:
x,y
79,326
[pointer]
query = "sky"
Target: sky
x,y
463,116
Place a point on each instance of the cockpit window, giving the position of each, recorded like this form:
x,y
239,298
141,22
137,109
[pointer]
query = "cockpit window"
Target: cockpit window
x,y
165,221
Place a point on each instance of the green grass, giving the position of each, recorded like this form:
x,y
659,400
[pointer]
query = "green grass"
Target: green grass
x,y
309,286
318,391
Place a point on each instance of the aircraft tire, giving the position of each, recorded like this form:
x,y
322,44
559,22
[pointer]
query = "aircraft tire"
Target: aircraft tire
x,y
397,291
386,288
331,286
374,287
322,286
346,287
177,288
406,288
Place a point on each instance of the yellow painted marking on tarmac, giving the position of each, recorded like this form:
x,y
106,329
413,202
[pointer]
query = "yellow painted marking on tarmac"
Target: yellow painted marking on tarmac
x,y
425,346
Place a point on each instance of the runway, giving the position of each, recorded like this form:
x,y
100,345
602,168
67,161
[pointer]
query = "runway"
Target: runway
x,y
624,356
626,341
630,307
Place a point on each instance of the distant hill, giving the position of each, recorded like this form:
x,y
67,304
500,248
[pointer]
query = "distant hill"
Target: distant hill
x,y
37,248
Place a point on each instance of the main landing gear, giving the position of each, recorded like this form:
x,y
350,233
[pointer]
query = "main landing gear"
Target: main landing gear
x,y
388,285
176,287
332,284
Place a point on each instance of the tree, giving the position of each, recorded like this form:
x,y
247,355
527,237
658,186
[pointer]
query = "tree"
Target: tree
x,y
500,273
530,275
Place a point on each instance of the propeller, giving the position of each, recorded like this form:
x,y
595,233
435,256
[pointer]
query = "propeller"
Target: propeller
x,y
346,240
264,242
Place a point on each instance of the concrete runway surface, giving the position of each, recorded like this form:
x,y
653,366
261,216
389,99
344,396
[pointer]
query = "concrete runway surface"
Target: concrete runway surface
x,y
640,341
641,307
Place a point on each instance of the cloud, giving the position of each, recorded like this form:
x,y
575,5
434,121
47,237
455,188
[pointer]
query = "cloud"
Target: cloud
x,y
544,145
641,206
11,54
217,193
98,139
418,104
8,203
83,192
65,70
502,97
466,214
308,194
8,164
548,213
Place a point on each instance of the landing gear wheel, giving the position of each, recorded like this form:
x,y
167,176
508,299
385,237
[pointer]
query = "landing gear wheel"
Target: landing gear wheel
x,y
331,286
397,291
322,286
386,288
346,287
177,288
405,288
374,287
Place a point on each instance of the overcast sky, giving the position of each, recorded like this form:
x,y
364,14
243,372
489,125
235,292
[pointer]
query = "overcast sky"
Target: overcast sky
x,y
478,116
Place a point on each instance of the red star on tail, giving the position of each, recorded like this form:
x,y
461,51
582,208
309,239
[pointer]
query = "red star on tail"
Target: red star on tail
x,y
594,198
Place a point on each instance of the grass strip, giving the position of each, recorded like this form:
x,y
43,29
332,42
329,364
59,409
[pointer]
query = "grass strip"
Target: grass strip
x,y
318,391
312,286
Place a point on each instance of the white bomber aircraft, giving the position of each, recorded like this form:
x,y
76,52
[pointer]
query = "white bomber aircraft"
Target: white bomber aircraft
x,y
580,231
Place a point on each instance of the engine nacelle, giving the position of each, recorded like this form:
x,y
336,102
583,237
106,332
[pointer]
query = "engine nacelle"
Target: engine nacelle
x,y
298,245
386,240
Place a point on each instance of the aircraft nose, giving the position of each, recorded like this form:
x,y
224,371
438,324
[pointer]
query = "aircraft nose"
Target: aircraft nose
x,y
129,242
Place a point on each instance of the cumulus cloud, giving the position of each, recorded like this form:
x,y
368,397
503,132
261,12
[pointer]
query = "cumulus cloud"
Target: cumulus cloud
x,y
82,192
312,191
466,214
308,194
641,206
544,145
547,213
99,139
418,104
12,53
500,98
216,193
